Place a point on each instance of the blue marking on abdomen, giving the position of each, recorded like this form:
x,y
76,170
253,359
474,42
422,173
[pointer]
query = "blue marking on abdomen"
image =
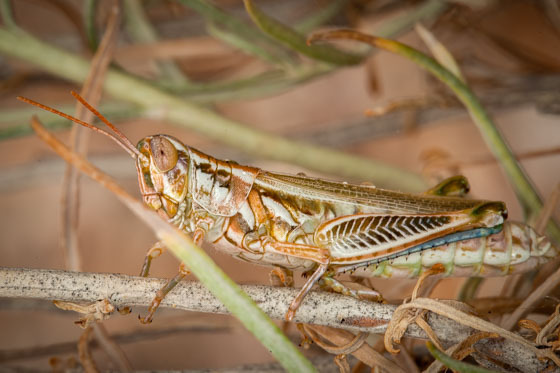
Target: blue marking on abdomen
x,y
450,238
440,241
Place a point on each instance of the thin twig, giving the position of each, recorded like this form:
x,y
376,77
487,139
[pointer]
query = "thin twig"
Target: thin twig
x,y
84,354
111,348
536,296
364,352
139,335
141,30
179,48
70,186
70,201
546,212
7,12
406,313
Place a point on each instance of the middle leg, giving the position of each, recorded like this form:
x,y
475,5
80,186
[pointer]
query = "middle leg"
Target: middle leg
x,y
316,254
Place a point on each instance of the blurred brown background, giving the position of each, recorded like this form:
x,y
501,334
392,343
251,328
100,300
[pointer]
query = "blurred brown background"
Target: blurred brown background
x,y
508,51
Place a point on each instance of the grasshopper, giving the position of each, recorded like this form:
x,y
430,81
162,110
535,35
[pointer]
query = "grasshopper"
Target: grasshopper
x,y
294,222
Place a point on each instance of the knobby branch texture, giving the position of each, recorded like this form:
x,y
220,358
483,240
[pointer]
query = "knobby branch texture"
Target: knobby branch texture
x,y
319,308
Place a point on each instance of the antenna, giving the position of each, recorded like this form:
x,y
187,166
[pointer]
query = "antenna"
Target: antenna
x,y
118,137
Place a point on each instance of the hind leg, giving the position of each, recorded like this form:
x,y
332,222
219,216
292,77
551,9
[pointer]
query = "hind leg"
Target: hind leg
x,y
329,283
455,186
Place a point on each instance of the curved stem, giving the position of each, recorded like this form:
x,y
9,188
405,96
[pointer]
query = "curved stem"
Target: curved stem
x,y
207,122
524,189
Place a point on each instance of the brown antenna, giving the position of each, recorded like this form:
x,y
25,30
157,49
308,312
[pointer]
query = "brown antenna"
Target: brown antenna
x,y
118,137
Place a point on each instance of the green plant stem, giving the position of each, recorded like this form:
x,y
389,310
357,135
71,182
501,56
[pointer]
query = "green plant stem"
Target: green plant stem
x,y
177,110
267,83
322,15
246,45
455,365
141,30
469,289
8,15
526,193
90,9
425,11
238,303
241,34
524,189
298,42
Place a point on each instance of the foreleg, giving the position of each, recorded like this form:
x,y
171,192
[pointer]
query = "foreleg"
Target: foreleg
x,y
155,251
162,293
171,283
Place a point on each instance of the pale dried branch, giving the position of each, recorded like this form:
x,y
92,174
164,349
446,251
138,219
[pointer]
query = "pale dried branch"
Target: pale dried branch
x,y
84,353
91,91
319,308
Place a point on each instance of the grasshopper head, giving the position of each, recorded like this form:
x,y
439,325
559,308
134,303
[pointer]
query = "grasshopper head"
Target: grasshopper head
x,y
161,161
163,173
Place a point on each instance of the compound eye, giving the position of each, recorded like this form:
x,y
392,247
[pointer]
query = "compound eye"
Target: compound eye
x,y
164,154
